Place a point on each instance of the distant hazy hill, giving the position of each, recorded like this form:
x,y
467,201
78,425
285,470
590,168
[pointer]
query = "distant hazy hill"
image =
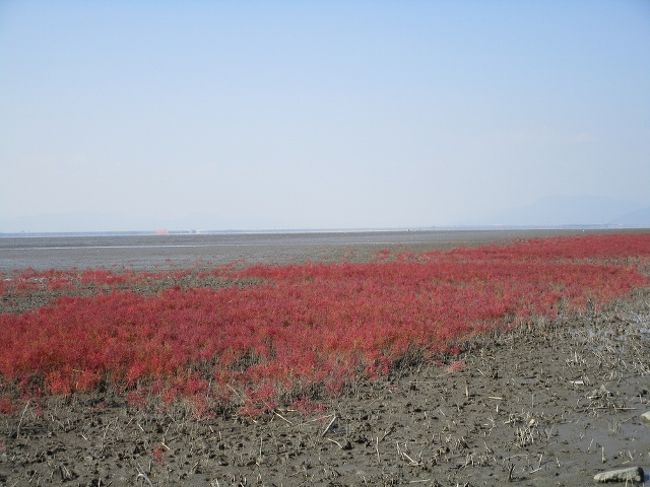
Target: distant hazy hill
x,y
573,210
637,218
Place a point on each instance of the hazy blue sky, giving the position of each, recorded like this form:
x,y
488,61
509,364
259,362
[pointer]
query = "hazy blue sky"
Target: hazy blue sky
x,y
122,115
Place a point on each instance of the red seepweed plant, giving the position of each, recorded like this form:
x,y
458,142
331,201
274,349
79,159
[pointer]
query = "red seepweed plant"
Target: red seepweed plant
x,y
299,331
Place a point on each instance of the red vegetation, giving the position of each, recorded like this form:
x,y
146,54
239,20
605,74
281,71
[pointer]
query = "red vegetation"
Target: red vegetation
x,y
304,329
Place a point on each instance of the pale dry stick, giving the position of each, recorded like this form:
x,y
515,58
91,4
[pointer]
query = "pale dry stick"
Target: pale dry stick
x,y
143,475
388,431
405,455
315,419
336,442
413,462
22,415
65,473
539,464
373,401
207,391
600,408
487,448
129,421
377,449
282,418
628,419
54,420
329,425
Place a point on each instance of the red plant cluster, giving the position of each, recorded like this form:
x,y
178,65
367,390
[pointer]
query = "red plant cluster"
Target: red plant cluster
x,y
304,329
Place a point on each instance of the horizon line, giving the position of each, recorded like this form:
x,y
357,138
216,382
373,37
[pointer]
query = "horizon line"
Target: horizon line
x,y
269,231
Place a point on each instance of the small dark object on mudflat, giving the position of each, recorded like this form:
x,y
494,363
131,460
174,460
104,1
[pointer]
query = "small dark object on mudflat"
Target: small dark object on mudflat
x,y
632,474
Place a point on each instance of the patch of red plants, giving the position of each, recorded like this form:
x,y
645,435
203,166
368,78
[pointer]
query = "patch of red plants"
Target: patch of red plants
x,y
304,330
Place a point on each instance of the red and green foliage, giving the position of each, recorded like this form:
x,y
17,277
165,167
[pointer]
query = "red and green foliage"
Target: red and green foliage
x,y
300,330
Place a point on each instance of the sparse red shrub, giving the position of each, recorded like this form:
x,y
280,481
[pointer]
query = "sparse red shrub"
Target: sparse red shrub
x,y
158,454
307,406
456,366
6,406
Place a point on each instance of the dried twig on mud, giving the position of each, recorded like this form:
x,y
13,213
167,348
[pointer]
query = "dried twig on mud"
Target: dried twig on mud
x,y
329,425
22,416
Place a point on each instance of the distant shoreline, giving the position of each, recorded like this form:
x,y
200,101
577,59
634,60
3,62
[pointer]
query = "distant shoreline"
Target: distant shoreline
x,y
307,231
148,250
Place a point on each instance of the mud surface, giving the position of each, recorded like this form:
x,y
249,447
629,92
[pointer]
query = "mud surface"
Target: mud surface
x,y
174,251
546,405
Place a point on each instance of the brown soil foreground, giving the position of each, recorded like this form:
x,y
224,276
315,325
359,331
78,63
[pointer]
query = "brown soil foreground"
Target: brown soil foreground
x,y
546,405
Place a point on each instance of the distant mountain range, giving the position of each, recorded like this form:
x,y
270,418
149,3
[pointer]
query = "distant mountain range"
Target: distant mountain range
x,y
636,218
572,210
556,211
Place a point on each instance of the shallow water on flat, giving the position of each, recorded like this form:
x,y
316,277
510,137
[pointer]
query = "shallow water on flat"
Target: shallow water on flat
x,y
171,251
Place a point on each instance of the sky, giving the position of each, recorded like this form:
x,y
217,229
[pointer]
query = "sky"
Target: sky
x,y
273,115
